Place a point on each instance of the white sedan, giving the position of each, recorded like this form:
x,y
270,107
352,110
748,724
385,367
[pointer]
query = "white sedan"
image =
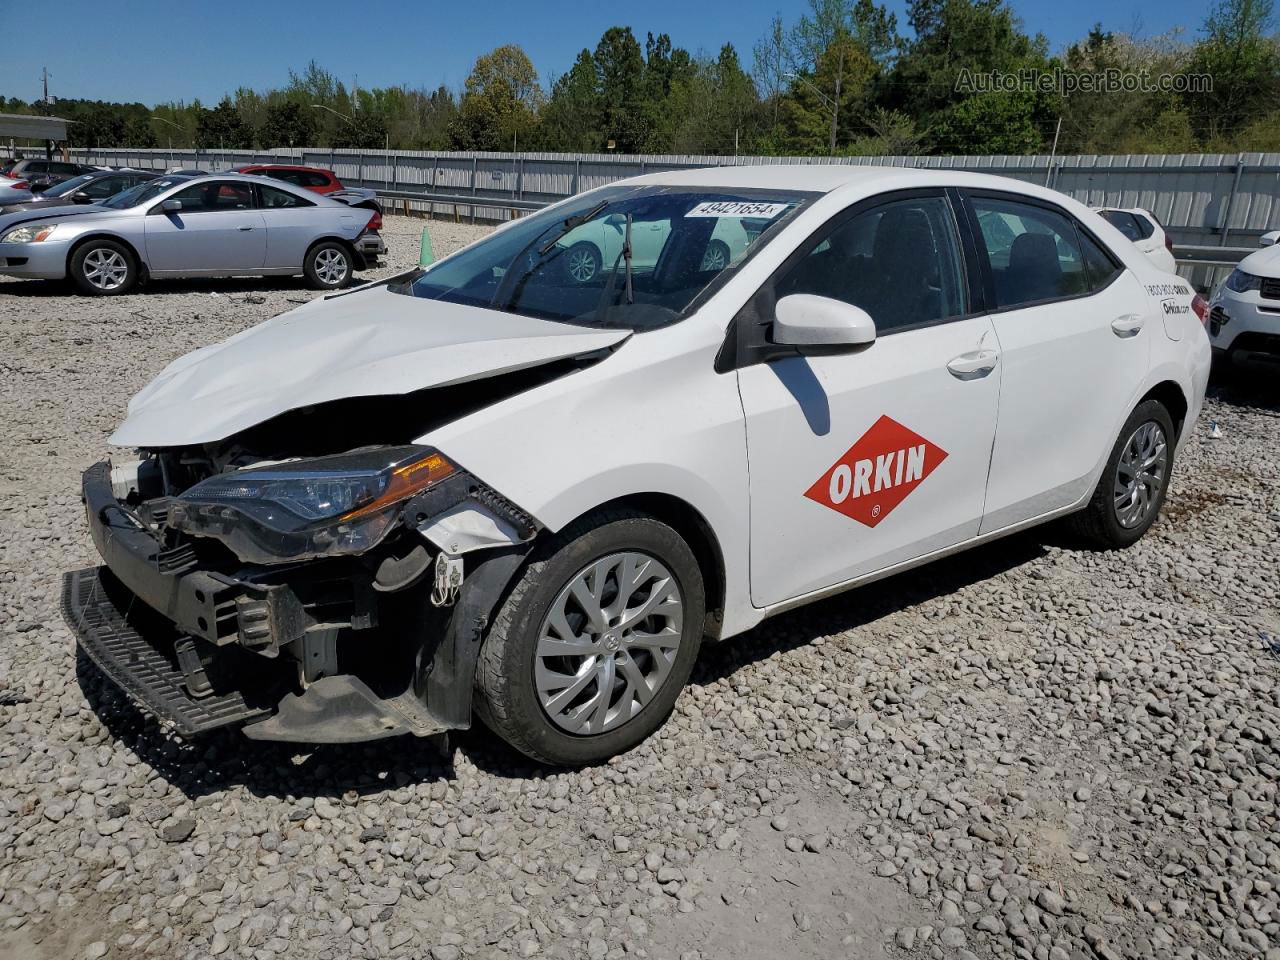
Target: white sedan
x,y
495,487
1146,232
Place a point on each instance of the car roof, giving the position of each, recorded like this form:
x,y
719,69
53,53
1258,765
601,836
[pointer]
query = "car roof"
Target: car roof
x,y
285,166
843,178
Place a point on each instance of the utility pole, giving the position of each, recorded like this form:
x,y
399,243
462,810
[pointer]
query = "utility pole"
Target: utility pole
x,y
1053,154
835,109
48,144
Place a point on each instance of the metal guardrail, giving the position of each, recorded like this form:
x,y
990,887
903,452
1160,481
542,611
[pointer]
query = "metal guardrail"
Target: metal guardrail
x,y
463,200
1194,254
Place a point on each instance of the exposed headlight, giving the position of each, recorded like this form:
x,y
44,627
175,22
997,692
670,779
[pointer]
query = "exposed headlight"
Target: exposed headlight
x,y
1242,282
329,506
29,233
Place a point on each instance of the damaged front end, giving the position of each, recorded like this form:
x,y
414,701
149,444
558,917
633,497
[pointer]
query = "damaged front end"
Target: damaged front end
x,y
321,599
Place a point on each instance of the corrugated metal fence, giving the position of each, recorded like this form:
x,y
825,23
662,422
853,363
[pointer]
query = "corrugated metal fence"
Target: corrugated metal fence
x,y
1206,199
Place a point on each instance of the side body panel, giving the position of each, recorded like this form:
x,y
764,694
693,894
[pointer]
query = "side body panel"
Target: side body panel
x,y
1066,374
652,418
827,471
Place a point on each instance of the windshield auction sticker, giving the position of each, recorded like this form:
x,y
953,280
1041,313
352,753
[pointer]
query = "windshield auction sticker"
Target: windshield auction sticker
x,y
738,208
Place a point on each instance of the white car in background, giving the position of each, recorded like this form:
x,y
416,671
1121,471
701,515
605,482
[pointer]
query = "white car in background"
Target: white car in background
x,y
1146,232
492,477
598,244
1244,313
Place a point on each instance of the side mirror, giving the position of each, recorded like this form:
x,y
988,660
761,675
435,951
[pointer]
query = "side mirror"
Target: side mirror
x,y
81,197
1269,239
805,320
171,206
39,187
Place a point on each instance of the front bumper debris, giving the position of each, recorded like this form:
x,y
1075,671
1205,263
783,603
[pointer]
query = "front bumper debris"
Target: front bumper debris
x,y
201,649
107,625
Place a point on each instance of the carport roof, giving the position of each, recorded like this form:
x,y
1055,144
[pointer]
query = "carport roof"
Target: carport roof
x,y
32,128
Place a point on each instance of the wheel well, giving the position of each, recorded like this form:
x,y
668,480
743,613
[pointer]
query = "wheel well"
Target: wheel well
x,y
137,257
695,530
1170,395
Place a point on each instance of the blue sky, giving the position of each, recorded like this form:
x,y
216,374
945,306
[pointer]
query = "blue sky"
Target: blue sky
x,y
184,51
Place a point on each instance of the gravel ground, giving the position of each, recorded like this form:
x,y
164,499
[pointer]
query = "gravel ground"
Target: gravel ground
x,y
1029,751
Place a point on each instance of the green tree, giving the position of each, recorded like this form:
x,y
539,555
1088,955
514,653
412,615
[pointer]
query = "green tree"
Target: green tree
x,y
288,124
500,102
573,117
620,75
1242,57
222,129
839,88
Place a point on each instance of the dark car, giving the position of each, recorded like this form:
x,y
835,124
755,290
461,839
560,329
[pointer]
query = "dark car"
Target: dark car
x,y
86,188
40,173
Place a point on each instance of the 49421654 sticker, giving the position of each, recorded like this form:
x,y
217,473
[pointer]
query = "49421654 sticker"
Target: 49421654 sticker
x,y
877,473
747,209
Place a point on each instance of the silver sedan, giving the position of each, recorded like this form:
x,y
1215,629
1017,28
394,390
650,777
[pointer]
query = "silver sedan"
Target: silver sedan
x,y
218,225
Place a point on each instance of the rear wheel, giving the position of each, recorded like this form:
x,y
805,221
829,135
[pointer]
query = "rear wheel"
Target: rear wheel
x,y
717,256
104,268
328,266
1134,482
582,262
590,650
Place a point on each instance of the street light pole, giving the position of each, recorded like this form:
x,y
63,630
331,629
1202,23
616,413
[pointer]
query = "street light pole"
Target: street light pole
x,y
832,105
176,127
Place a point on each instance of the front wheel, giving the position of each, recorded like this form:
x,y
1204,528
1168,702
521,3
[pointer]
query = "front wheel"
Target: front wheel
x,y
104,268
1134,482
591,648
582,262
328,266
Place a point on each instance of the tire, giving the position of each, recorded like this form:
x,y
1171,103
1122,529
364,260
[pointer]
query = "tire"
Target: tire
x,y
582,262
104,268
716,256
1112,520
328,266
578,725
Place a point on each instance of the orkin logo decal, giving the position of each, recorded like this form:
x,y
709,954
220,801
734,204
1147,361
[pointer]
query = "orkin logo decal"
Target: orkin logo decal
x,y
877,473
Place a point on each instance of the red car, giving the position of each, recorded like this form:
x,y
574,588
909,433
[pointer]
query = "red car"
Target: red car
x,y
312,178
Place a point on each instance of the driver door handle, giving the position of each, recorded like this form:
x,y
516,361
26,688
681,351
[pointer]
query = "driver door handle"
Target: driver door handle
x,y
1127,325
971,366
243,229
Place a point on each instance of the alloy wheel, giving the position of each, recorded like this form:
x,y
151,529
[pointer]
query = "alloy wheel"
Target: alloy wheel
x,y
331,265
582,265
608,642
106,269
1141,474
714,258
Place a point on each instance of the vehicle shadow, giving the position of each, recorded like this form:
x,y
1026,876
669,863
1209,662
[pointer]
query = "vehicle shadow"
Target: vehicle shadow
x,y
224,760
1256,389
229,287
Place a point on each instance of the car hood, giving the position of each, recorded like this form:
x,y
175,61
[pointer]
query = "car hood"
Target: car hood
x,y
369,343
1262,263
46,211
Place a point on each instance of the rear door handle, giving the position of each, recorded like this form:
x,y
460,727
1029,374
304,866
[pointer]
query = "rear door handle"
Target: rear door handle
x,y
1127,325
971,366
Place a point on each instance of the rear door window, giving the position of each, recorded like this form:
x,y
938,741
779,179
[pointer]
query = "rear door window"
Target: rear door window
x,y
1126,223
274,199
308,178
1034,252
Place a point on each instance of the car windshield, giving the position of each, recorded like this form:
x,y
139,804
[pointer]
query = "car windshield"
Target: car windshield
x,y
142,193
574,265
69,186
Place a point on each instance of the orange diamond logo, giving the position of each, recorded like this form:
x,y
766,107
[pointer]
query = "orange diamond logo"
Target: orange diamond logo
x,y
877,473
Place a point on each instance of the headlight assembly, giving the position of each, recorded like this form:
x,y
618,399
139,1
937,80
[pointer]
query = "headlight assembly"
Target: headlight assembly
x,y
329,506
29,233
1242,282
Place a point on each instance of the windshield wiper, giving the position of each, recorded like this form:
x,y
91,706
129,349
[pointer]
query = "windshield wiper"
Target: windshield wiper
x,y
571,223
510,282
